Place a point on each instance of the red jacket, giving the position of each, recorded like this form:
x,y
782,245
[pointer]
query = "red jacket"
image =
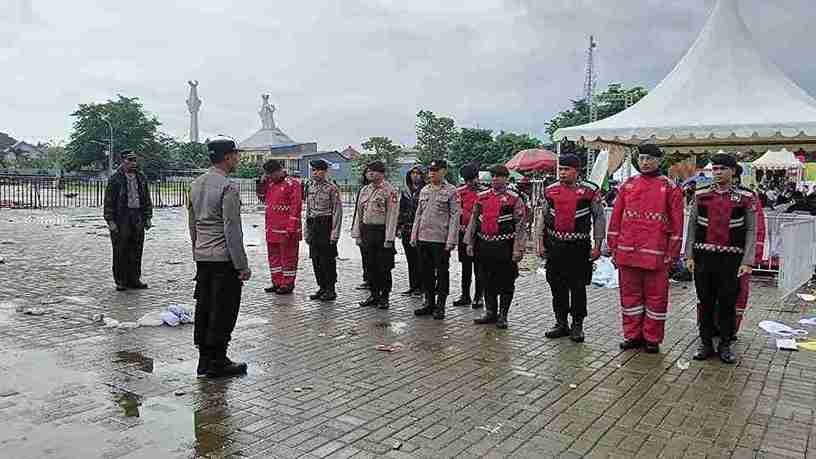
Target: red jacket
x,y
646,228
284,204
467,198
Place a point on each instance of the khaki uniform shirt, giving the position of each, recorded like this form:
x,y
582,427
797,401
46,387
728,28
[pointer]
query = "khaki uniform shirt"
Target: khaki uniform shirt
x,y
214,212
437,216
377,205
323,199
133,191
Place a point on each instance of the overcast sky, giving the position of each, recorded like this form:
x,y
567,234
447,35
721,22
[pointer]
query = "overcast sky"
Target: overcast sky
x,y
340,71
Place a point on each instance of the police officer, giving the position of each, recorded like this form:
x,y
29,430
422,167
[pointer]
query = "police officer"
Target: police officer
x,y
128,212
467,195
569,211
214,212
434,234
496,236
324,217
720,249
375,228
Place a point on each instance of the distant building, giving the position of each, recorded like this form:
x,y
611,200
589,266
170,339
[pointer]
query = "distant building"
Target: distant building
x,y
22,150
339,165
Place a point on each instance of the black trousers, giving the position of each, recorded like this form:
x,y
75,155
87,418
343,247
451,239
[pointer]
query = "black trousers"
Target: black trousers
x,y
414,264
128,245
569,271
435,267
499,271
218,298
322,251
365,267
470,269
379,260
717,284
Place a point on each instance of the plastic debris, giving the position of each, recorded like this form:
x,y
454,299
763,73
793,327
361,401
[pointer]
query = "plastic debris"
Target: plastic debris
x,y
51,300
387,348
397,445
2,261
128,325
573,386
786,344
683,364
810,321
174,262
179,393
605,274
151,319
110,323
98,317
806,297
34,312
780,329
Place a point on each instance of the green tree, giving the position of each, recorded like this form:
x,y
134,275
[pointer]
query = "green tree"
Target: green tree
x,y
435,134
184,155
133,129
471,145
379,149
248,169
507,144
608,103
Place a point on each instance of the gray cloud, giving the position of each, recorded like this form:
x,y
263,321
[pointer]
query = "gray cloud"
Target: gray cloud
x,y
343,70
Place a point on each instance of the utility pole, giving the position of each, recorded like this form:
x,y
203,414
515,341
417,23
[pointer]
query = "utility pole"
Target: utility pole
x,y
110,149
590,82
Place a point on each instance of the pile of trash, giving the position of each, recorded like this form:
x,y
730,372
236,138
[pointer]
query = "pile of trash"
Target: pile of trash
x,y
789,338
173,316
605,273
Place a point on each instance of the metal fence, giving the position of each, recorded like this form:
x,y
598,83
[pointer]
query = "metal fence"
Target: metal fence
x,y
796,258
44,192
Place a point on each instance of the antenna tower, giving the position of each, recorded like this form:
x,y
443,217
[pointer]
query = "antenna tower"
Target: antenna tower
x,y
591,80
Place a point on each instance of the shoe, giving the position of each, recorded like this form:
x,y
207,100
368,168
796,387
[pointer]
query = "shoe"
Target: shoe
x,y
285,290
383,302
577,331
221,366
272,289
439,311
478,303
426,311
463,300
372,300
329,295
120,288
408,292
631,344
204,357
317,295
501,322
651,348
490,316
364,286
417,292
704,351
139,285
505,300
726,354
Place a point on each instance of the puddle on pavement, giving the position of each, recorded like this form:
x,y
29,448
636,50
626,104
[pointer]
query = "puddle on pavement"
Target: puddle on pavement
x,y
135,359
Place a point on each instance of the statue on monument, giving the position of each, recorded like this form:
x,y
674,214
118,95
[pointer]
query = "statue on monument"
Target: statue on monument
x,y
193,104
267,113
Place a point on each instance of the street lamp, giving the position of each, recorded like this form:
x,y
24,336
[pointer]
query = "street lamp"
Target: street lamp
x,y
110,150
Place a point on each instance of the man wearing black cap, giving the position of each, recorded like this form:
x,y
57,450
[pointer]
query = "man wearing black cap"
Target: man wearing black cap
x,y
720,249
496,236
128,211
214,214
570,210
324,217
284,204
409,201
375,227
467,195
435,234
645,235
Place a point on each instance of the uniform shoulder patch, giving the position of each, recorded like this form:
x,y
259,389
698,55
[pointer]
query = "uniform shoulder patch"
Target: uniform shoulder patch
x,y
590,185
747,192
702,190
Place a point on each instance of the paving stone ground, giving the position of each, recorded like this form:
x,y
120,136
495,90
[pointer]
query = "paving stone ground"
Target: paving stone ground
x,y
317,387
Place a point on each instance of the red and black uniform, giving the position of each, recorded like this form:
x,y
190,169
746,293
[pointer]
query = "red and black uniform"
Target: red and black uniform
x,y
645,235
467,196
284,204
565,228
721,237
497,230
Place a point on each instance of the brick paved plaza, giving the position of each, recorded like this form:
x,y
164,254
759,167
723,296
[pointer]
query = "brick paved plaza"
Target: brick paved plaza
x,y
317,387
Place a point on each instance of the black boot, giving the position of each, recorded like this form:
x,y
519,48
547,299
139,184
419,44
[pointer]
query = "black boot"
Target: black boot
x,y
561,328
204,357
651,348
372,300
364,286
330,294
439,311
384,302
726,354
631,344
478,302
490,317
577,331
221,366
427,307
504,308
704,350
316,295
464,300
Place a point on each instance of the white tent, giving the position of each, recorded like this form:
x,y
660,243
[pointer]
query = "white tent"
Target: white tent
x,y
723,92
777,160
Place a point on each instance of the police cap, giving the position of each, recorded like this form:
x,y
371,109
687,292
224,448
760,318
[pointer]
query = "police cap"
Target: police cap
x,y
273,165
219,147
650,149
569,161
377,166
722,159
438,164
469,171
319,164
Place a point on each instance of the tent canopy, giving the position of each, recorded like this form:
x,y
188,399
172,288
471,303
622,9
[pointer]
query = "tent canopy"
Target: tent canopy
x,y
777,160
723,88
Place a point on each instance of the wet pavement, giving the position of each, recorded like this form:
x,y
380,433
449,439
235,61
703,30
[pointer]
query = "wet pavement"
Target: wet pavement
x,y
318,387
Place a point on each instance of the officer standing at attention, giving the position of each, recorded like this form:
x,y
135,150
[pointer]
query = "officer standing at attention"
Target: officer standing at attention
x,y
570,210
214,213
324,217
435,233
375,228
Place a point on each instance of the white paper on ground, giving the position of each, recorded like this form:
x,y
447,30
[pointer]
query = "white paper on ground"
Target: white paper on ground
x,y
786,344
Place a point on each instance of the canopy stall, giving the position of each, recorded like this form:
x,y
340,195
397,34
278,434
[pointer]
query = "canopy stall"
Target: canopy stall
x,y
782,160
724,94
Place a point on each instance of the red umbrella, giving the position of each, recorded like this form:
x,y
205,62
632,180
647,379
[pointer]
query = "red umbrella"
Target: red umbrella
x,y
535,160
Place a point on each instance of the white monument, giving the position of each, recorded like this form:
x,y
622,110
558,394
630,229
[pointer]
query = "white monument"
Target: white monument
x,y
193,104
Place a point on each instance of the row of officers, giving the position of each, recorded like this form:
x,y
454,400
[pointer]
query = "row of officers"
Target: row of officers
x,y
488,226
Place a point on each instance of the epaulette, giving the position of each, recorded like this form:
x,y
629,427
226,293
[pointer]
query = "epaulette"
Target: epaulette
x,y
589,185
702,190
747,192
